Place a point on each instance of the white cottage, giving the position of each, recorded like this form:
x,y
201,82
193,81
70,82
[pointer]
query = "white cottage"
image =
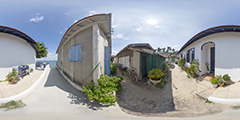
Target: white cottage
x,y
84,51
16,48
217,46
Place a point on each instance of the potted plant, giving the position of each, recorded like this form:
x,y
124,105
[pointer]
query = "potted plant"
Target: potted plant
x,y
214,82
155,76
207,66
221,83
227,79
12,76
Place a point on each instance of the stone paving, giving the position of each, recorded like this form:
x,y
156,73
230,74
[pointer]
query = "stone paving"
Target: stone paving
x,y
7,90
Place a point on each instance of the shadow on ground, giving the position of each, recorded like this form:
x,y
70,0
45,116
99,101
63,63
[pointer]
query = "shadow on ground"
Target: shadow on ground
x,y
75,96
139,98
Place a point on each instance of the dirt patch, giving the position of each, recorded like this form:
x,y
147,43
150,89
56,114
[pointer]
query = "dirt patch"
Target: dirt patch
x,y
177,99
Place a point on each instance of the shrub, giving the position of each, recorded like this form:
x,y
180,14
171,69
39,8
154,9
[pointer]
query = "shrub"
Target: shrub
x,y
13,104
185,68
194,69
121,78
12,76
166,68
104,91
181,62
160,85
155,74
113,68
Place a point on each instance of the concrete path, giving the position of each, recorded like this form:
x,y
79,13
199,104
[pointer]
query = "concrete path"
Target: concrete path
x,y
56,99
228,95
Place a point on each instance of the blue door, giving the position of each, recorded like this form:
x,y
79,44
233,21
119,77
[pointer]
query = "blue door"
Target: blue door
x,y
107,64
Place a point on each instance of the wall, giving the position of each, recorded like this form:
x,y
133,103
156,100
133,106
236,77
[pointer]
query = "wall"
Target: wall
x,y
135,62
226,53
99,42
78,71
14,51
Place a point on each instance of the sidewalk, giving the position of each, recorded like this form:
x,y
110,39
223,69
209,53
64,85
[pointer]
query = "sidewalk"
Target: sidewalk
x,y
227,95
7,90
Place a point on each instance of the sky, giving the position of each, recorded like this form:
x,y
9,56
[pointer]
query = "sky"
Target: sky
x,y
160,23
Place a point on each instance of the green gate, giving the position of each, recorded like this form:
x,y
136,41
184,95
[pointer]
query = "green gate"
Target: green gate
x,y
150,61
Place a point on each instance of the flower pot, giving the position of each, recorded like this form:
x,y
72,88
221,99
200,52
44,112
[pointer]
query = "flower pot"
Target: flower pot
x,y
221,85
215,85
10,82
228,82
154,82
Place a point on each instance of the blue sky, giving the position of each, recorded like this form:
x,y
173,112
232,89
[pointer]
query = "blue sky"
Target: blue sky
x,y
158,22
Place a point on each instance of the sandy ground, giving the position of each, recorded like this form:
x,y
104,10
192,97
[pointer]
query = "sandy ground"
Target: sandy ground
x,y
177,99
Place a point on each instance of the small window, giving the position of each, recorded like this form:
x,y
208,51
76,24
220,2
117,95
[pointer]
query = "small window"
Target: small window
x,y
193,54
188,55
75,53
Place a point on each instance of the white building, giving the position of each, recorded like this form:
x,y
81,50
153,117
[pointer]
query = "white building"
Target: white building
x,y
84,51
218,46
16,48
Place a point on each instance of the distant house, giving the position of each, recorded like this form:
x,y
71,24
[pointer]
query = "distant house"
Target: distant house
x,y
84,51
217,46
16,48
140,56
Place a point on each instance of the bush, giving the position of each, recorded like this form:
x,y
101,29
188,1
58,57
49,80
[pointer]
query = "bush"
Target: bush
x,y
121,78
160,85
113,69
194,69
104,91
12,76
181,62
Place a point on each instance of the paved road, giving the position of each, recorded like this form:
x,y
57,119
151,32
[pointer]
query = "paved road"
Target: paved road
x,y
56,99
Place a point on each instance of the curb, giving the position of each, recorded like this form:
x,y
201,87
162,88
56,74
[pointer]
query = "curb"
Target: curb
x,y
26,92
223,101
76,86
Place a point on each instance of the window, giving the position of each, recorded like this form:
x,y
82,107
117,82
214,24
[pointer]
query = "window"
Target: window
x,y
75,53
190,55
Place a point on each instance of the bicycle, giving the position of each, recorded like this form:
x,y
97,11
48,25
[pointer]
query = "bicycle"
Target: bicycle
x,y
133,74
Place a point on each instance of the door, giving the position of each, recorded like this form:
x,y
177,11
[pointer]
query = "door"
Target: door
x,y
212,55
144,65
107,58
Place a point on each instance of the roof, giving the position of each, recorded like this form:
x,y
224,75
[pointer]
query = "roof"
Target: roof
x,y
18,33
137,46
165,54
210,31
103,20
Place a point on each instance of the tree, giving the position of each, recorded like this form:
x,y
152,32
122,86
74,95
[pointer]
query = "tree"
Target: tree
x,y
169,49
159,49
42,50
163,49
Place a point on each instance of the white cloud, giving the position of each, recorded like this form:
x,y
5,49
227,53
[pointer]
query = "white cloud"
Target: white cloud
x,y
92,12
152,21
50,56
114,26
37,18
138,29
120,36
75,21
61,32
114,52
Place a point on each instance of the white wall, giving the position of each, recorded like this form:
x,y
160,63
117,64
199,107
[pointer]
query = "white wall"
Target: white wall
x,y
226,53
125,61
14,51
99,42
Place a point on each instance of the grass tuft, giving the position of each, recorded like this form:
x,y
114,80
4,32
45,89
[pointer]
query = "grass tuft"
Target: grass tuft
x,y
235,107
13,104
208,101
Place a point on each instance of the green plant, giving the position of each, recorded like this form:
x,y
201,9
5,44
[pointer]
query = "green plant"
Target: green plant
x,y
42,50
208,101
155,74
185,68
194,69
160,85
104,91
31,70
166,68
121,78
113,68
236,107
13,104
12,76
181,62
214,81
226,77
220,82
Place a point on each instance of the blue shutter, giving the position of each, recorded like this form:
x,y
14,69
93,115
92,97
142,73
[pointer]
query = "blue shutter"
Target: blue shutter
x,y
79,53
188,56
107,64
